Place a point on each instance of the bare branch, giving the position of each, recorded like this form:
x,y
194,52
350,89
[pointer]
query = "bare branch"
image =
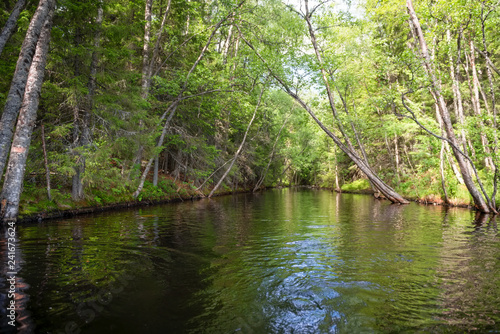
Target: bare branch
x,y
488,60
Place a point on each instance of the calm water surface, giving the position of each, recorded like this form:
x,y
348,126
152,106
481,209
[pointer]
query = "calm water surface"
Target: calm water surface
x,y
284,261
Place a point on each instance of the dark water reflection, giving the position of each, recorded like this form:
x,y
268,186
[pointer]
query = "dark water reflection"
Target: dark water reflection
x,y
285,261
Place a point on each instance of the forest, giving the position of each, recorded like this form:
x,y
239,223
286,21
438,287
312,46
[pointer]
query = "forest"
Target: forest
x,y
115,101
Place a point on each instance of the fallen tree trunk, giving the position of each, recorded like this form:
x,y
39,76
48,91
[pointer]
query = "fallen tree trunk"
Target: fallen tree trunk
x,y
239,148
385,189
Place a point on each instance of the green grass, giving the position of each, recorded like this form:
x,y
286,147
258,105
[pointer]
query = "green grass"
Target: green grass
x,y
358,185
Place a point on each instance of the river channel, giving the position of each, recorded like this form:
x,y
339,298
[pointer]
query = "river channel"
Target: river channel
x,y
282,261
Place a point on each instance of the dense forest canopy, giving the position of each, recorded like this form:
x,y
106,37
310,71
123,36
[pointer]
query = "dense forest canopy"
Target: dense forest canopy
x,y
119,100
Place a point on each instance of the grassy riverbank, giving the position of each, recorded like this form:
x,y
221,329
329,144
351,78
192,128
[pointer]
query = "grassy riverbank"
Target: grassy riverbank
x,y
35,204
414,191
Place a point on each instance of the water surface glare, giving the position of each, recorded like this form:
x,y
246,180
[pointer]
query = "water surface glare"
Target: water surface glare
x,y
283,261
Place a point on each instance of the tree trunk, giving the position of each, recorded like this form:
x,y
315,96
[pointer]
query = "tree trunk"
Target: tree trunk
x,y
146,50
483,94
16,92
387,191
396,151
160,143
210,176
457,96
76,181
337,186
92,85
156,49
179,98
331,98
82,135
329,92
337,183
261,180
188,19
453,166
77,187
239,148
441,156
14,176
459,111
46,162
226,45
476,101
479,201
489,67
236,49
441,169
145,75
10,25
358,138
155,171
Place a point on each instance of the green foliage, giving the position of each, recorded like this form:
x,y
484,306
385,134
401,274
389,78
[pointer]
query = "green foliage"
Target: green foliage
x,y
356,186
368,58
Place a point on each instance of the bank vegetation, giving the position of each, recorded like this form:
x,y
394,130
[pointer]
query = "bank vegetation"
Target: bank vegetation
x,y
126,101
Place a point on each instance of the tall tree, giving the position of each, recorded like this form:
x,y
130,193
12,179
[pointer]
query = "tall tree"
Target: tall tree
x,y
173,106
16,92
271,156
151,67
480,202
82,119
146,50
12,187
10,25
346,147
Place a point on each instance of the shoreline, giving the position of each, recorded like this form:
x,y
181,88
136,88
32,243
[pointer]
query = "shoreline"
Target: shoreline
x,y
73,212
422,201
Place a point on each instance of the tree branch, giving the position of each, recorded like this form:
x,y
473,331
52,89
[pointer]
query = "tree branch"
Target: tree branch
x,y
488,60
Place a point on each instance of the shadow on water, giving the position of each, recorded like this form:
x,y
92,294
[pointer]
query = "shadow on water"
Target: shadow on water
x,y
282,261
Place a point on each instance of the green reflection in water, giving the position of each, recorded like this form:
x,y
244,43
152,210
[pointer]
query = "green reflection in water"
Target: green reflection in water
x,y
284,261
